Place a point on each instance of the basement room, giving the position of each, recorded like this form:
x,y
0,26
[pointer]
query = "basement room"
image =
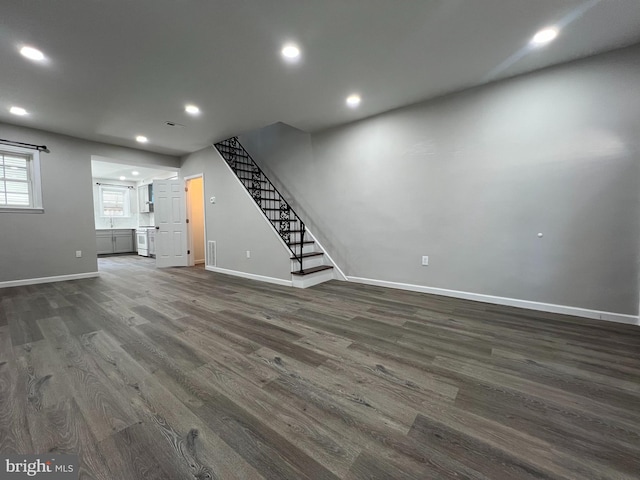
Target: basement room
x,y
320,239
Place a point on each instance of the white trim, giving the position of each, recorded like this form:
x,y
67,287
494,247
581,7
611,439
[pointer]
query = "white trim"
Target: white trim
x,y
309,280
191,177
512,302
192,260
336,268
21,210
57,278
35,180
251,276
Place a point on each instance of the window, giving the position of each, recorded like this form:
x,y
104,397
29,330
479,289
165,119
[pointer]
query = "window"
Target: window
x,y
114,201
20,180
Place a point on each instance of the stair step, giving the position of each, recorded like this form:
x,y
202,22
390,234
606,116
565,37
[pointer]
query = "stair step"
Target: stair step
x,y
306,242
309,271
310,254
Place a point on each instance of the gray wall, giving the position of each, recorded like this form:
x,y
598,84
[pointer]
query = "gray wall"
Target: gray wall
x,y
43,245
470,179
234,222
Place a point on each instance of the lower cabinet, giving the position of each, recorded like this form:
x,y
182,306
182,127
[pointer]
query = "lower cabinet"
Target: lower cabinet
x,y
115,241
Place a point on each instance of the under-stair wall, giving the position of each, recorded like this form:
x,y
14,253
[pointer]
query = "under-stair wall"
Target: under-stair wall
x,y
310,264
236,224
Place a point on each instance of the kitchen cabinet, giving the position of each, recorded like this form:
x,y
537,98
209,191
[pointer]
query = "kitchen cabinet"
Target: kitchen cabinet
x,y
145,198
115,241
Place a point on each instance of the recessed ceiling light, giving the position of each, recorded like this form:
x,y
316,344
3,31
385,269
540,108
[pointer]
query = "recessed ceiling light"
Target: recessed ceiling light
x,y
544,36
123,178
192,109
353,100
32,53
135,172
18,111
142,139
290,51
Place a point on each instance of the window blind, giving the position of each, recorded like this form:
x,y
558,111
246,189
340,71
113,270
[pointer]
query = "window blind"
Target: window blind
x,y
15,181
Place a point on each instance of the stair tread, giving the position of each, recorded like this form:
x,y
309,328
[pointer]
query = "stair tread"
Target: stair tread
x,y
308,271
310,254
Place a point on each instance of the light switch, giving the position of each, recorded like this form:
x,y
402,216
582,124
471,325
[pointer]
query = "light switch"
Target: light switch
x,y
425,260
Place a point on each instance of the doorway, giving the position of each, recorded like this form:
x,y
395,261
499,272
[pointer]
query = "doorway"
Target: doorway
x,y
195,214
124,209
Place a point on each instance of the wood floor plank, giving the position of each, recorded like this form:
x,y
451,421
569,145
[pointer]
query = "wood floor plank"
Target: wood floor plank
x,y
183,354
62,429
78,322
24,328
15,437
96,396
273,455
183,373
482,457
369,466
4,318
315,439
199,447
155,317
622,419
132,455
188,440
276,338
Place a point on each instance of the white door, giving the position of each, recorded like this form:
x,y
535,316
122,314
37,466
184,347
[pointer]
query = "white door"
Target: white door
x,y
171,226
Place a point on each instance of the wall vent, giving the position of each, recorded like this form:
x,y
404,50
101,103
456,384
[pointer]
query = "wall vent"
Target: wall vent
x,y
211,253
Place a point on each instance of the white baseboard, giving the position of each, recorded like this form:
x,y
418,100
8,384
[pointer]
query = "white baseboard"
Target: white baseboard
x,y
512,302
57,278
251,276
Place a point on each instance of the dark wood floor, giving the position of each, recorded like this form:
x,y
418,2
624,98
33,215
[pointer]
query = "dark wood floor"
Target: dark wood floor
x,y
182,373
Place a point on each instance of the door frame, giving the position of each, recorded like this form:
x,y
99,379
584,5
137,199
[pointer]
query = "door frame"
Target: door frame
x,y
191,256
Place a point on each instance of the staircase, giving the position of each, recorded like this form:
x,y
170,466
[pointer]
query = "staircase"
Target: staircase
x,y
307,261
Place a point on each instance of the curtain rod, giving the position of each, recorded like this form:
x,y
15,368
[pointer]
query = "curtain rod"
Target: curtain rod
x,y
11,143
114,185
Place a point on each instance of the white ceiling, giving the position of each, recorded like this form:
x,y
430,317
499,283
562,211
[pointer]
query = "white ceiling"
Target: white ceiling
x,y
119,68
107,170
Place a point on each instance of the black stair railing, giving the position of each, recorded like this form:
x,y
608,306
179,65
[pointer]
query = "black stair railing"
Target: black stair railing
x,y
282,217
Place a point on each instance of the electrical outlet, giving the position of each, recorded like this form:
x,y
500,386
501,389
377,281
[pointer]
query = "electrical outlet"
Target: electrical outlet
x,y
248,253
78,253
425,260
